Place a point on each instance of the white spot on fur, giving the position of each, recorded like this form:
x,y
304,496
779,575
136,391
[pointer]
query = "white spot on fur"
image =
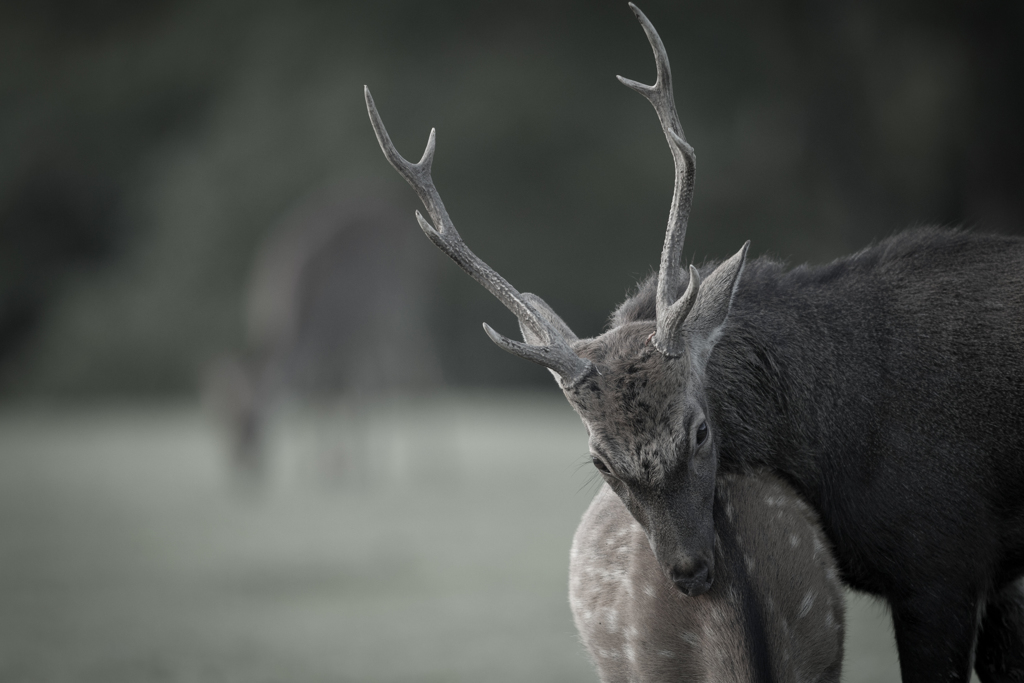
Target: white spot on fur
x,y
794,540
615,576
631,637
649,590
818,546
749,562
806,604
729,511
611,622
688,637
667,654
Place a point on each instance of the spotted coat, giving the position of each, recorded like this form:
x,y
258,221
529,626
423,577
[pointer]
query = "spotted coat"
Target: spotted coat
x,y
773,613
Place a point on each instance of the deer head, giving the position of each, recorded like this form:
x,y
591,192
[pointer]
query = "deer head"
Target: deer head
x,y
639,387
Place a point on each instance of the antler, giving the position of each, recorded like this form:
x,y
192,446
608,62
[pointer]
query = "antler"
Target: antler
x,y
553,352
670,312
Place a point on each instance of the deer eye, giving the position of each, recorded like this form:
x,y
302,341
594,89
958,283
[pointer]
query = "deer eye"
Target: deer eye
x,y
702,433
601,467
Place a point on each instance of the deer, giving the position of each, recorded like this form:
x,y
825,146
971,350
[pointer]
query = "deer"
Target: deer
x,y
775,611
334,304
885,388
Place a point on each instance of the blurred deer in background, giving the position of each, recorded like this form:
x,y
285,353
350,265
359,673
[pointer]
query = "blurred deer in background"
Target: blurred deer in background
x,y
337,304
886,388
645,607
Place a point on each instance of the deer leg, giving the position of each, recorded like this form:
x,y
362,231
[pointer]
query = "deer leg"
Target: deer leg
x,y
935,633
1000,653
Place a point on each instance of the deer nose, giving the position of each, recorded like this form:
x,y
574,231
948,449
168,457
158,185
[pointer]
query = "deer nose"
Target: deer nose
x,y
692,576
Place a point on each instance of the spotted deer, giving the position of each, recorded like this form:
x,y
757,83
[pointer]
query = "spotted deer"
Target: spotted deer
x,y
885,388
773,613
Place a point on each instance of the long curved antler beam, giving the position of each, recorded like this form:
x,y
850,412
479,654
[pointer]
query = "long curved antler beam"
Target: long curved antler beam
x,y
671,312
554,352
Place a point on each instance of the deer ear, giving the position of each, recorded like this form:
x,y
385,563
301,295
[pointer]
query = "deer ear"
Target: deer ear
x,y
703,325
549,315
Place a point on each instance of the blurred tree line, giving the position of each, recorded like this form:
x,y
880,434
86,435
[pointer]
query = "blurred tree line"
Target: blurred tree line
x,y
147,148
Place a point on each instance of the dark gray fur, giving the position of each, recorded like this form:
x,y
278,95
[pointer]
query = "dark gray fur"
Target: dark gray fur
x,y
775,611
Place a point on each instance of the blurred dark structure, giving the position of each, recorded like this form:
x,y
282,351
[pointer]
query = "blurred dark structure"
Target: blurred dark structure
x,y
53,221
147,149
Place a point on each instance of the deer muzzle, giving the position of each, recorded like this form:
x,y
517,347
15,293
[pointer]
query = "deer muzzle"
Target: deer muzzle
x,y
691,575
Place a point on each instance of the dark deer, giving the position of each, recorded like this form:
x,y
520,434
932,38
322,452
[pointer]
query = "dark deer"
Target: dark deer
x,y
886,388
775,611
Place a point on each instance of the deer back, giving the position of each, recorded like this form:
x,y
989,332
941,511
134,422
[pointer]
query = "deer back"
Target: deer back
x,y
775,611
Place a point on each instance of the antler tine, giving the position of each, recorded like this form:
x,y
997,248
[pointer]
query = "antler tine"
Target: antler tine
x,y
555,352
670,311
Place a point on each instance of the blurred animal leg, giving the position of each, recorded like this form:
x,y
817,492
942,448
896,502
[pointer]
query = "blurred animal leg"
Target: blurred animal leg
x,y
1000,653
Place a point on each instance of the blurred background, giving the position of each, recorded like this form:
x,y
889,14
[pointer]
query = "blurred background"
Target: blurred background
x,y
243,401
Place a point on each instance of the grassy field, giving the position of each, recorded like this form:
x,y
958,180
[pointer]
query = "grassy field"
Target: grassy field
x,y
414,541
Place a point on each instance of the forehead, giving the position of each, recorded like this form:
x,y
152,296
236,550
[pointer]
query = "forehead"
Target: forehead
x,y
635,388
